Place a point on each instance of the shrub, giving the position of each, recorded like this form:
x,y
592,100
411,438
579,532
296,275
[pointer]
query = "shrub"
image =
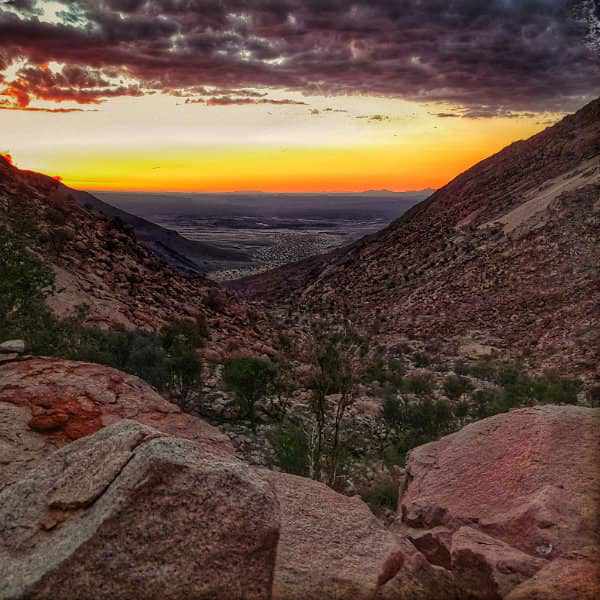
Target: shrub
x,y
290,444
25,282
421,385
185,332
147,359
421,360
481,369
553,389
393,412
250,379
456,386
485,402
381,495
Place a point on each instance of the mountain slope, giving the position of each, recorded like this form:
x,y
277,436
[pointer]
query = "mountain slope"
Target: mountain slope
x,y
100,263
506,254
179,252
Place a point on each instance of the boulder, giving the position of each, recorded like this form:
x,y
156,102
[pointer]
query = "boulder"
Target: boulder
x,y
419,579
131,513
13,347
331,546
506,497
577,577
47,403
4,358
488,568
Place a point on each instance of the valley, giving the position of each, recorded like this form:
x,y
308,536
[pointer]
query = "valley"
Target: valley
x,y
258,232
414,382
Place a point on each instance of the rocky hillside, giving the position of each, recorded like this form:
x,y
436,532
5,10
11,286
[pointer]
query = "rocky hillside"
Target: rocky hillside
x,y
108,491
181,253
100,263
505,255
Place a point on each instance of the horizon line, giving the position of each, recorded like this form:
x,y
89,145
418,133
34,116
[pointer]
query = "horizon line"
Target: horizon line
x,y
382,191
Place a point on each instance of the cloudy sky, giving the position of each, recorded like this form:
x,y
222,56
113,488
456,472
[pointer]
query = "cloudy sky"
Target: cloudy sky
x,y
291,95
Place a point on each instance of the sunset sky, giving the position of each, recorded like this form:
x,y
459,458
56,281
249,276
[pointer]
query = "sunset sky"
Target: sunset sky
x,y
284,95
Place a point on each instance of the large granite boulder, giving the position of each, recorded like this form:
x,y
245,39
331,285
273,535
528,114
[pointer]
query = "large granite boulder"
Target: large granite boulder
x,y
505,498
130,513
331,546
47,403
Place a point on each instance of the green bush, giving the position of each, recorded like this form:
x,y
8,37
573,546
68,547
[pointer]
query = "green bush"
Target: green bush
x,y
185,332
483,368
290,444
421,360
381,495
485,403
393,408
456,386
421,385
25,283
553,389
250,379
167,360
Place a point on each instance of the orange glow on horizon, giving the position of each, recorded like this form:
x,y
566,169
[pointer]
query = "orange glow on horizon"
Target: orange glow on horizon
x,y
412,165
223,149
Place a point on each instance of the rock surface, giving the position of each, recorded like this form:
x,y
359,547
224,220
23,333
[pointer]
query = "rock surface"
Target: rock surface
x,y
508,497
130,513
331,546
577,578
13,347
47,403
486,567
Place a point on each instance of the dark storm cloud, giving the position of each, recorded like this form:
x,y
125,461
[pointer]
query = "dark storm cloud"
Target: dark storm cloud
x,y
72,83
493,57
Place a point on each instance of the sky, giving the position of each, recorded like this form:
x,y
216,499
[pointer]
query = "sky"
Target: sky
x,y
285,95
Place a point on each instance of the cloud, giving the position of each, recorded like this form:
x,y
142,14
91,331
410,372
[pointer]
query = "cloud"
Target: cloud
x,y
491,58
44,110
73,83
483,113
375,118
229,101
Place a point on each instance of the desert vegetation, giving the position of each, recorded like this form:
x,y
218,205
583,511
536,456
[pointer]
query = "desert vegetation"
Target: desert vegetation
x,y
315,427
166,359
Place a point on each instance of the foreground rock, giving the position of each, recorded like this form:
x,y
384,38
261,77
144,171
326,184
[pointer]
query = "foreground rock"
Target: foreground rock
x,y
331,546
47,403
13,347
508,499
130,513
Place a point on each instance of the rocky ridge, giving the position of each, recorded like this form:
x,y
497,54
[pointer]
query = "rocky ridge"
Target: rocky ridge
x,y
506,255
101,264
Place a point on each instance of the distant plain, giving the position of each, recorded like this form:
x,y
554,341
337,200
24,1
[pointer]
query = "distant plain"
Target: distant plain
x,y
268,229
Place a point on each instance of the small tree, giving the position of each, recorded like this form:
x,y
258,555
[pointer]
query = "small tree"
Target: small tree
x,y
25,282
250,379
456,386
333,377
291,445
